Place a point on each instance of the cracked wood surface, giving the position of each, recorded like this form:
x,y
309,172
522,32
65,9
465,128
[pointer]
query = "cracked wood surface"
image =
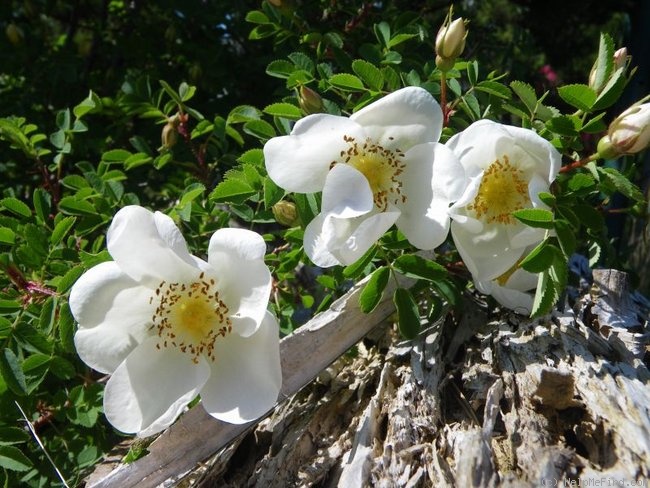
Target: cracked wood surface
x,y
480,399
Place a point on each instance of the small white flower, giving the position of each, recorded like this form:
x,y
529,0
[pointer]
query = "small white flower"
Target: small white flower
x,y
506,168
167,325
513,290
379,167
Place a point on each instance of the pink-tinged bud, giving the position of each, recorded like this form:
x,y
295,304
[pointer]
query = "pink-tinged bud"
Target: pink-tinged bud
x,y
286,213
450,41
620,58
629,133
310,102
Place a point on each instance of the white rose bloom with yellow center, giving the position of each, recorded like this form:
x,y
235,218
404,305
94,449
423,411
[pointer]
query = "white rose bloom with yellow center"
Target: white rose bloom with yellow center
x,y
168,326
505,170
381,166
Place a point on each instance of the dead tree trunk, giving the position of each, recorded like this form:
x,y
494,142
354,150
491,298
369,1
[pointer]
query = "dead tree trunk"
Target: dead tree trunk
x,y
479,402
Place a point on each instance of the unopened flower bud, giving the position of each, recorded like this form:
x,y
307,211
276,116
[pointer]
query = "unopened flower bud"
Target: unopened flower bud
x,y
629,133
310,102
450,41
169,134
606,149
620,58
286,213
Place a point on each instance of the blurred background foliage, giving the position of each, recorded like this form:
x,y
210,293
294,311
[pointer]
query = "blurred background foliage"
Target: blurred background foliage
x,y
111,148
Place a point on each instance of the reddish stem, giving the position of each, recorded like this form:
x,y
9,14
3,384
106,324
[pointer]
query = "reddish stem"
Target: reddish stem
x,y
577,164
199,153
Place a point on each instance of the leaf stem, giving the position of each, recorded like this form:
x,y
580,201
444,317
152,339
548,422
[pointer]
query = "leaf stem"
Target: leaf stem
x,y
578,164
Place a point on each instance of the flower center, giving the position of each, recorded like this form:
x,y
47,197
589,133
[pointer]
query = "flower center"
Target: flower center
x,y
503,190
190,317
380,166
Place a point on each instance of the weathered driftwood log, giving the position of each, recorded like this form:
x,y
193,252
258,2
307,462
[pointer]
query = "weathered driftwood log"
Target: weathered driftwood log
x,y
477,400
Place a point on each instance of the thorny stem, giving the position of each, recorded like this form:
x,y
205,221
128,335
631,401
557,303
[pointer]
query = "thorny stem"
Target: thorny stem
x,y
199,153
578,164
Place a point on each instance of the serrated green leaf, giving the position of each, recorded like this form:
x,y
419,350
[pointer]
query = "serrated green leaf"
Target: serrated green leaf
x,y
544,295
399,39
66,328
595,251
418,267
243,113
73,205
622,184
260,129
69,278
579,96
42,204
61,229
372,292
581,181
7,236
540,258
589,216
369,73
355,269
13,435
604,62
232,191
252,156
494,88
566,237
285,110
16,207
612,90
382,31
272,193
407,313
191,193
596,124
526,94
12,373
13,459
563,125
280,68
535,217
302,61
347,82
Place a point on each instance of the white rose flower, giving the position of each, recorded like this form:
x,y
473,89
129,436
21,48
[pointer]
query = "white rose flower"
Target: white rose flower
x,y
505,169
379,167
513,290
167,325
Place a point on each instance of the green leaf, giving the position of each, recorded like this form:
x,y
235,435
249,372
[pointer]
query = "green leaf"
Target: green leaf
x,y
418,267
69,278
407,313
566,237
382,31
73,205
579,96
63,119
526,94
186,91
260,129
280,68
12,373
13,435
544,295
547,198
347,82
191,193
86,106
589,216
243,113
371,294
257,17
535,217
171,92
42,204
540,258
7,236
563,125
272,193
369,73
581,181
622,184
116,156
232,191
356,268
399,39
13,459
16,207
494,88
604,62
285,110
612,90
252,156
61,229
66,328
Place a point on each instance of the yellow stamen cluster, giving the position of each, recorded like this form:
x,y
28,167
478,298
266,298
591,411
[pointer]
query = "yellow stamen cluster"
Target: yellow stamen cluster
x,y
380,166
190,317
503,190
